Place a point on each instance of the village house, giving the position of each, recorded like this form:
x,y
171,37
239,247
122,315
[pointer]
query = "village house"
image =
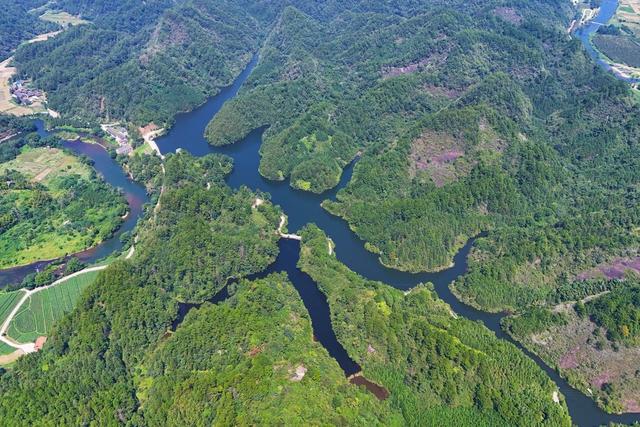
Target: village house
x,y
118,133
25,95
121,135
124,149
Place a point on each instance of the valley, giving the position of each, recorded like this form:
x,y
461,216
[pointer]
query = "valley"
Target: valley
x,y
386,198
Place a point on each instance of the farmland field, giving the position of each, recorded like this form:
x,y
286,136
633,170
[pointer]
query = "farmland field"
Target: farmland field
x,y
40,311
620,49
59,207
629,14
45,164
62,18
7,301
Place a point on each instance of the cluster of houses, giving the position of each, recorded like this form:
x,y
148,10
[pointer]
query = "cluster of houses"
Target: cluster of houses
x,y
121,135
25,95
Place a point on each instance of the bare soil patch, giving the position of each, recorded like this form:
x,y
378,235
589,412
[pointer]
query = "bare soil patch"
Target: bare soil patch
x,y
6,359
425,63
442,91
378,391
509,14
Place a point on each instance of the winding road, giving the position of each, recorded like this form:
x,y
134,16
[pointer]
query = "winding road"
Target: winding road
x,y
30,347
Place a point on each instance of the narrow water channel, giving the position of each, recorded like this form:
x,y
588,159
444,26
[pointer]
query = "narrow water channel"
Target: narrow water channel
x,y
303,208
111,172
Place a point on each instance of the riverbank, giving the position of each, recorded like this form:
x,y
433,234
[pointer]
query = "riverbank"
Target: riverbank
x,y
112,174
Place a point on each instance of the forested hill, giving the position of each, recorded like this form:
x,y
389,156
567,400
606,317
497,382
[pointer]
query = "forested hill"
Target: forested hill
x,y
142,61
146,61
470,116
18,25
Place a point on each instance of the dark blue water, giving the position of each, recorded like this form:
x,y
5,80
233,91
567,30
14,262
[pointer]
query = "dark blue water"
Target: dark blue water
x,y
111,172
315,302
607,11
303,208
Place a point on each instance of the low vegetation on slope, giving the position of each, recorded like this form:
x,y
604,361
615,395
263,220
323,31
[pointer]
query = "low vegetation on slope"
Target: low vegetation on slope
x,y
593,343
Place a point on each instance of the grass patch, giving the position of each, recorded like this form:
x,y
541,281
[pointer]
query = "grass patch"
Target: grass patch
x,y
40,311
46,164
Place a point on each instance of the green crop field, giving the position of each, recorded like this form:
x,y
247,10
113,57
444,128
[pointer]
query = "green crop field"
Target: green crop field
x,y
6,349
7,301
38,314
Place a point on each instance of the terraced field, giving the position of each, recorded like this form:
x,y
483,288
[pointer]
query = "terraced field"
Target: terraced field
x,y
41,310
7,301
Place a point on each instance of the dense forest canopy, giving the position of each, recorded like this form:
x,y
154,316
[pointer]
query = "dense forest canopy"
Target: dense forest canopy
x,y
467,116
17,25
470,116
430,359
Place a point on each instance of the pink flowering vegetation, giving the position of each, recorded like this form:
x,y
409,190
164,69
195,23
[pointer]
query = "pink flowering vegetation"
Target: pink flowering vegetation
x,y
583,352
617,269
445,157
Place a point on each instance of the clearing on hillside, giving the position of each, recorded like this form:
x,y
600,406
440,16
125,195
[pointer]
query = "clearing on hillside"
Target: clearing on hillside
x,y
62,18
41,310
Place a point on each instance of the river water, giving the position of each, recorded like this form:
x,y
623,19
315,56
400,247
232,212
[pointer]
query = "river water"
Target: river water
x,y
303,208
607,10
112,173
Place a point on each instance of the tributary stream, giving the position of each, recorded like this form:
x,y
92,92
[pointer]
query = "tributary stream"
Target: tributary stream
x,y
303,208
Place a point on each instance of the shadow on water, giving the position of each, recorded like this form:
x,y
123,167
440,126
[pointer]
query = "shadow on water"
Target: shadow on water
x,y
303,208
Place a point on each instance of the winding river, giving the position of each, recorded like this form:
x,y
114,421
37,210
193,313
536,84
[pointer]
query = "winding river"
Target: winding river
x,y
112,173
607,11
303,208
